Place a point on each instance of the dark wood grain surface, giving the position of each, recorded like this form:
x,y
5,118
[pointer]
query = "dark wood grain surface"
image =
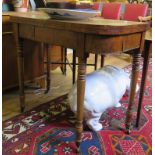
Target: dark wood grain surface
x,y
92,25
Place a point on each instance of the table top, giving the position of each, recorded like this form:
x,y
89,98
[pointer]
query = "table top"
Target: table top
x,y
92,25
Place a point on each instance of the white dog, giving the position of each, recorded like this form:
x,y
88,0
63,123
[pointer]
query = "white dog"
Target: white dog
x,y
104,89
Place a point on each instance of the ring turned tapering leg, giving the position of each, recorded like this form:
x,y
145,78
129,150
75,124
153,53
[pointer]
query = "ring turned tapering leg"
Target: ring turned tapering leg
x,y
80,100
134,79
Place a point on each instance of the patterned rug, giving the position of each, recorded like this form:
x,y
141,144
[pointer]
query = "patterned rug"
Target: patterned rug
x,y
49,129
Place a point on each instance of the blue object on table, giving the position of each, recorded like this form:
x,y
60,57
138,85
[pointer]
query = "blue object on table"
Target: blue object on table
x,y
5,7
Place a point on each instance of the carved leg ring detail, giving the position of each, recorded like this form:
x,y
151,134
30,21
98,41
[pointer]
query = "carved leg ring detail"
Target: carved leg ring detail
x,y
135,72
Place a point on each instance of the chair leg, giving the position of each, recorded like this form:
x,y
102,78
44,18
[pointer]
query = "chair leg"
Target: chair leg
x,y
64,59
96,60
102,60
74,66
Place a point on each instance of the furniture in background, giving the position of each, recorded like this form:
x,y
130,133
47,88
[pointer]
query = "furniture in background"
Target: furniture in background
x,y
33,54
8,55
112,37
133,11
110,11
97,6
57,54
54,57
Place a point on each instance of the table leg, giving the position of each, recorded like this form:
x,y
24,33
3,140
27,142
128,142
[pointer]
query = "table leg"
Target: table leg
x,y
147,51
96,60
102,60
74,66
20,59
80,100
48,78
134,79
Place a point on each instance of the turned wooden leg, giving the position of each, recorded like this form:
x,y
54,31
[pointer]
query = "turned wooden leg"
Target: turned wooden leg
x,y
134,78
147,51
96,60
48,78
102,60
20,60
80,100
74,66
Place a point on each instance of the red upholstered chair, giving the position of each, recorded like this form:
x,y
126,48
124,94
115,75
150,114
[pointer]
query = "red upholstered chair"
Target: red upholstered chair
x,y
133,11
111,11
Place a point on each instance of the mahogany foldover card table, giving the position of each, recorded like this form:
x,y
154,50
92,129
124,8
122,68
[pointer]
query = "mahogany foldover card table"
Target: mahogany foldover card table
x,y
95,35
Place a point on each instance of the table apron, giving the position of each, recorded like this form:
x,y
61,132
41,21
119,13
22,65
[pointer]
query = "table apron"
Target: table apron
x,y
26,31
52,36
102,44
56,37
99,44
